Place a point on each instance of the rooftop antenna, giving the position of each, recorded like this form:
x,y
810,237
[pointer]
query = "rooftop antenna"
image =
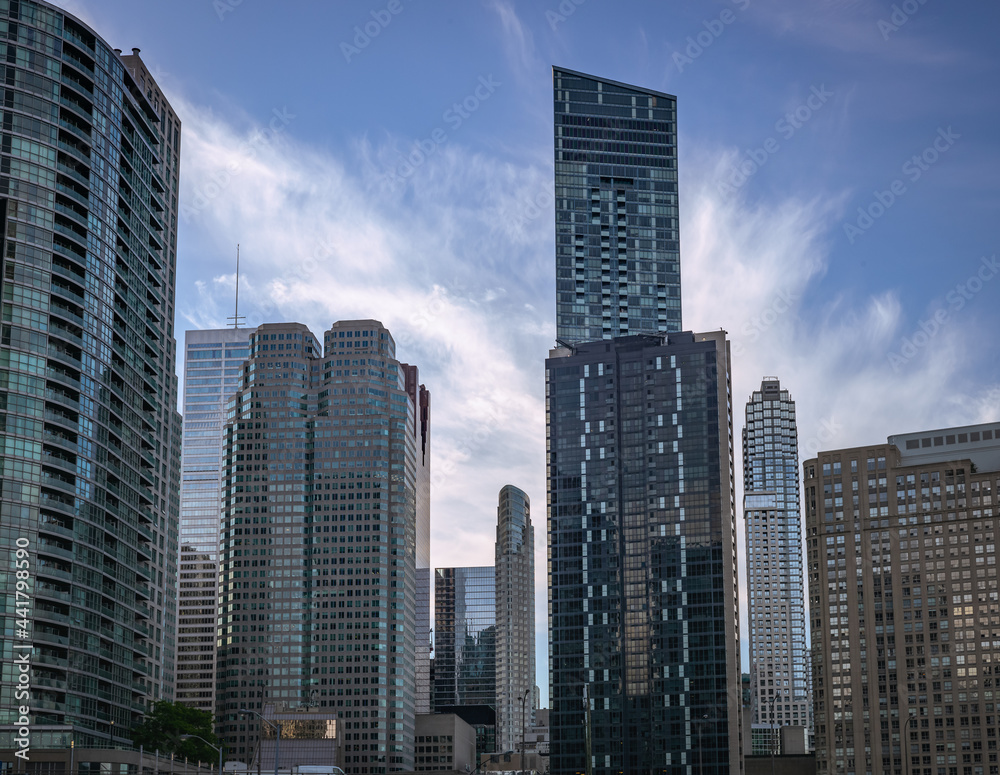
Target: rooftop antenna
x,y
237,318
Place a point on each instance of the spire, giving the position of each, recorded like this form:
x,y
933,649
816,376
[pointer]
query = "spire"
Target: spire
x,y
236,317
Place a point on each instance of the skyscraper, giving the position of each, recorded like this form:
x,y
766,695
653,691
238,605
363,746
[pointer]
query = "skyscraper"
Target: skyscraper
x,y
213,368
778,650
904,602
515,615
643,621
617,260
325,473
90,434
465,642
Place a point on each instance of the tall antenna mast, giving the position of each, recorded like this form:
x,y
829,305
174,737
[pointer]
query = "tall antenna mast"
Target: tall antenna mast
x,y
237,318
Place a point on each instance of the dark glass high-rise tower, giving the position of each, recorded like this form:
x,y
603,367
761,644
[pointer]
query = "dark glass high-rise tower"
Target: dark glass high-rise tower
x,y
617,260
643,619
643,591
89,430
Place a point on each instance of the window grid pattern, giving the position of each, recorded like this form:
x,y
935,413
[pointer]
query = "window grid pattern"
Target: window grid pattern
x,y
905,612
617,259
326,462
89,432
213,369
515,603
465,664
779,655
642,556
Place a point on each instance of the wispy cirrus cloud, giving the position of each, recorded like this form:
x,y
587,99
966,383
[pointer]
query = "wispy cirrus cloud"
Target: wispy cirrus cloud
x,y
458,263
758,271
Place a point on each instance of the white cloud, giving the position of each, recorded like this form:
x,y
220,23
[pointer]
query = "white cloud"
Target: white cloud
x,y
458,264
518,40
758,271
445,262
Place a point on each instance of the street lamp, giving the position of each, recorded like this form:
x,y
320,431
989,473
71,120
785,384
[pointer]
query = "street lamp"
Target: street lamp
x,y
525,697
773,700
215,748
906,746
275,727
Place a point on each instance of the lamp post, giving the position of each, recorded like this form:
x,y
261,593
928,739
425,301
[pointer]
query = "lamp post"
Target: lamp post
x,y
773,700
525,697
906,745
277,730
214,748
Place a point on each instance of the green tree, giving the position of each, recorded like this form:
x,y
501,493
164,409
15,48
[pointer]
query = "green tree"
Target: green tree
x,y
167,723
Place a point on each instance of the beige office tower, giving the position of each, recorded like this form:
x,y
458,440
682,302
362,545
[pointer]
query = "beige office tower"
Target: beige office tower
x,y
904,603
515,617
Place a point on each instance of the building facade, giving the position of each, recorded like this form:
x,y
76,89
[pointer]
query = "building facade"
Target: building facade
x,y
90,433
904,603
617,259
779,654
326,463
213,369
515,615
445,743
465,641
643,585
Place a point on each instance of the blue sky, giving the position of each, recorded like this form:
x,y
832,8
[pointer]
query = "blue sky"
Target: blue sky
x,y
325,138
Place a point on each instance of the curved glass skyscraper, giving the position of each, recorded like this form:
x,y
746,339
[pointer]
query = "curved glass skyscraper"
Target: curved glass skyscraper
x,y
515,611
89,430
